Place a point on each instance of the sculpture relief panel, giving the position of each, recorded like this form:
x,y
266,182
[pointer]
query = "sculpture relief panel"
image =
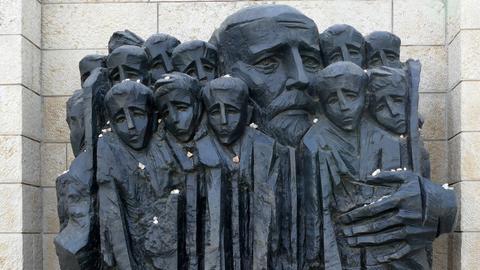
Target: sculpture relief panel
x,y
271,146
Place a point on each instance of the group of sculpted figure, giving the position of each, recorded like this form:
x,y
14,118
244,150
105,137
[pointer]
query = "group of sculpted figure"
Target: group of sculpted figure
x,y
272,146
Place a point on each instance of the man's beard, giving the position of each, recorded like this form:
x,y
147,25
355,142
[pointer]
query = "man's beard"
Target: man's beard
x,y
287,118
288,129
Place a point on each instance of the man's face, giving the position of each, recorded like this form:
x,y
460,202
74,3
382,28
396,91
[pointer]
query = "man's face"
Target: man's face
x,y
199,62
178,110
77,128
79,204
343,103
130,121
227,117
127,71
344,47
278,61
390,107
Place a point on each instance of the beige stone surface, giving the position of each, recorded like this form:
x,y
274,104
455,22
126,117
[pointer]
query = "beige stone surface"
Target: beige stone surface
x,y
21,112
89,26
31,209
55,128
31,58
464,157
32,251
21,17
463,105
465,254
11,251
432,108
468,219
30,163
440,253
434,66
438,160
60,73
462,14
53,162
11,210
50,259
50,214
419,22
11,53
20,159
454,159
463,57
179,19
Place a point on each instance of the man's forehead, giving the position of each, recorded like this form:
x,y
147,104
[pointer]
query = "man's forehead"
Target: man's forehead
x,y
267,33
120,102
179,95
342,83
226,97
390,90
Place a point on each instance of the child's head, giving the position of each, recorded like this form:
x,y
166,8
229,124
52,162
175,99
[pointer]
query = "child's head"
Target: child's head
x,y
177,102
130,107
226,103
342,93
388,102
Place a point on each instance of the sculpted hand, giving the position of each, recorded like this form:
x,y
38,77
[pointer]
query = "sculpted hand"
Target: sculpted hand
x,y
399,221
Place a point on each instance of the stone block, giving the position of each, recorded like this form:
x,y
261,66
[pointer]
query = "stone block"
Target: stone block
x,y
21,17
440,253
181,21
55,128
453,19
50,213
69,26
23,60
467,195
11,110
438,160
21,112
432,108
30,161
20,159
11,251
53,162
462,14
465,254
464,157
463,57
50,259
454,159
32,251
31,209
463,108
11,210
60,73
419,22
11,53
434,66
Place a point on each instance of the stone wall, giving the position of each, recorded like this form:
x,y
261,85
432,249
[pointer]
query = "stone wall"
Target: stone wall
x,y
34,146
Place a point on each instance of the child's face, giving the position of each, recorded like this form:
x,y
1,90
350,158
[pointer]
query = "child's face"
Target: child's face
x,y
389,107
130,120
343,103
226,116
178,110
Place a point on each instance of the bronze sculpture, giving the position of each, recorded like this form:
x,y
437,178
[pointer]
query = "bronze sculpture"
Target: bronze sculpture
x,y
276,150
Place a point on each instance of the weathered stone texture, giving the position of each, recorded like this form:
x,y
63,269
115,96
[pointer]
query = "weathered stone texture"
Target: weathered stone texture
x,y
468,219
432,108
50,259
419,22
60,74
464,156
466,254
20,159
21,17
55,128
53,162
61,24
463,105
50,214
463,57
438,160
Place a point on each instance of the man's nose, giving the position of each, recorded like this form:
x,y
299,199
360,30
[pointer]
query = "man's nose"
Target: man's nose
x,y
297,78
201,75
172,113
167,63
383,57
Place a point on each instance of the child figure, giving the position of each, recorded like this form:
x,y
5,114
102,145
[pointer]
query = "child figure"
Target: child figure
x,y
138,223
251,169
